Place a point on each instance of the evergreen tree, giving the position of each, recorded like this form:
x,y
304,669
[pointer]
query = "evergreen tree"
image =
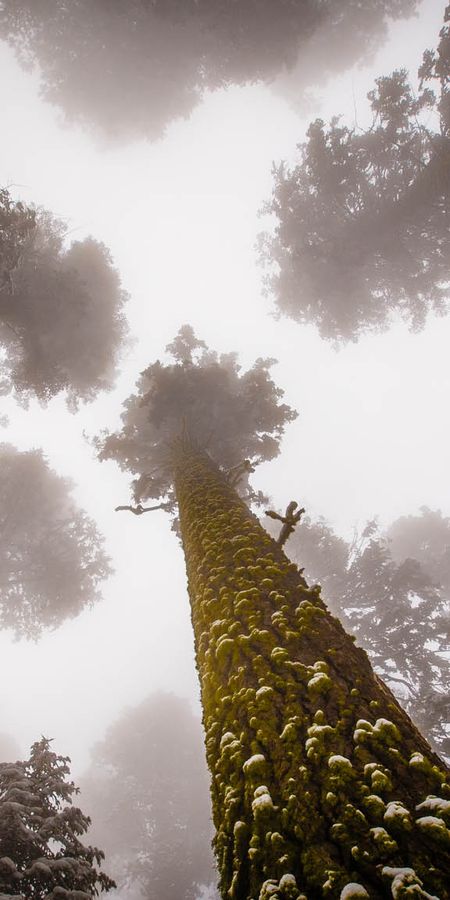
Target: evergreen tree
x,y
321,785
363,221
41,854
130,67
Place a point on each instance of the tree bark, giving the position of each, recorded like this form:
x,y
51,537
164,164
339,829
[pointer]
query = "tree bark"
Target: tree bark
x,y
317,773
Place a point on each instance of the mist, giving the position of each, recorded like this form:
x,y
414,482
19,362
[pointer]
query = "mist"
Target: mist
x,y
214,242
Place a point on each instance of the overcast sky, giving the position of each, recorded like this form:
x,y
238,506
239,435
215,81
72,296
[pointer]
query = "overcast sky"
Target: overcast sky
x,y
181,220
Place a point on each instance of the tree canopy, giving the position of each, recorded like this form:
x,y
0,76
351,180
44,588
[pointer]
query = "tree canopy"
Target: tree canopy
x,y
61,320
363,219
52,558
388,591
128,68
147,791
41,854
234,415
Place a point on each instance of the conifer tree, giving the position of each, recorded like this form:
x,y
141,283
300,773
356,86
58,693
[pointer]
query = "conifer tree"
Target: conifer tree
x,y
41,854
321,785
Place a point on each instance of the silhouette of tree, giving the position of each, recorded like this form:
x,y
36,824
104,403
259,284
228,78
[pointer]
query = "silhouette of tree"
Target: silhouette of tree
x,y
147,792
51,552
320,781
363,219
61,321
130,67
41,855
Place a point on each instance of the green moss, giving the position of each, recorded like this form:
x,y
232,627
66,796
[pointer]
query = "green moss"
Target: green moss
x,y
310,792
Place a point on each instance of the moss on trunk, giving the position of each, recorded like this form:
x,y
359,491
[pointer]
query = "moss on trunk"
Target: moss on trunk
x,y
321,784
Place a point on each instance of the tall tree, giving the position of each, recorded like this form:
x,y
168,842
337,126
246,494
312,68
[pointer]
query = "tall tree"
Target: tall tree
x,y
147,793
41,854
363,220
130,67
394,605
61,320
320,782
52,558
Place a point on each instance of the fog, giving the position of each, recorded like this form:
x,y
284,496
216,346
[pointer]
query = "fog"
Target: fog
x,y
167,210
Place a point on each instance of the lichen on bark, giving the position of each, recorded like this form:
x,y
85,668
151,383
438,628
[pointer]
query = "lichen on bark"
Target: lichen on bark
x,y
318,776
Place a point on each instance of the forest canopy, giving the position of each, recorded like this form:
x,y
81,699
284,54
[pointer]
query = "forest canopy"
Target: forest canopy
x,y
61,308
362,221
52,558
128,68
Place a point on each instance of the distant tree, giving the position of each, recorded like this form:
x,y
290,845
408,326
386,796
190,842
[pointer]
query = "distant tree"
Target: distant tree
x,y
425,538
131,67
363,220
147,792
61,321
321,784
51,552
41,855
395,608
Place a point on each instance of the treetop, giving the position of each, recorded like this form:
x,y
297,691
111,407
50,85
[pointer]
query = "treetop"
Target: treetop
x,y
230,414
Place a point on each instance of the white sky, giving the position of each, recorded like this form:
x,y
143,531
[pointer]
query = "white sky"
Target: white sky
x,y
181,219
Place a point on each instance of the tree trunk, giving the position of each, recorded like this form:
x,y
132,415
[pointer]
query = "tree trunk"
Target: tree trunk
x,y
318,775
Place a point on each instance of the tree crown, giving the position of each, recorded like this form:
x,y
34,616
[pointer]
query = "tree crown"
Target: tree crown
x,y
232,414
362,220
61,319
52,558
129,67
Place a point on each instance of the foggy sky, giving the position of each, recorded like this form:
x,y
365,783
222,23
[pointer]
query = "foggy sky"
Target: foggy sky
x,y
181,219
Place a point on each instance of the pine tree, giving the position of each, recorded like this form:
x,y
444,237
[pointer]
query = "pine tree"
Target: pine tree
x,y
41,854
321,785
